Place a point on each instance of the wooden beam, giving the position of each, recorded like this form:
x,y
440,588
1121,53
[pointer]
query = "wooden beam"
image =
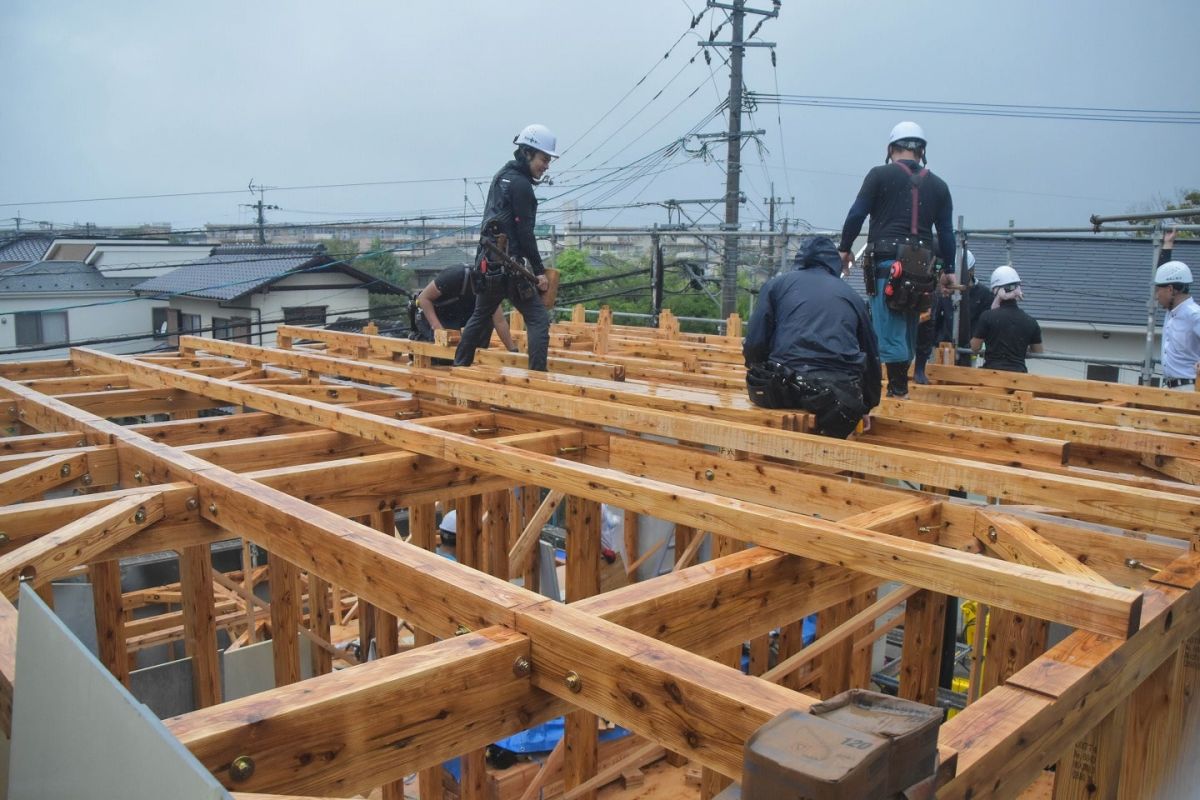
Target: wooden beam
x,y
55,554
1062,598
41,476
446,697
1015,542
8,664
1006,737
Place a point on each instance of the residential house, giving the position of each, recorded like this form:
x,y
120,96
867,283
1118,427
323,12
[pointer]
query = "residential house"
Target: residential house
x,y
243,292
47,305
65,290
1089,293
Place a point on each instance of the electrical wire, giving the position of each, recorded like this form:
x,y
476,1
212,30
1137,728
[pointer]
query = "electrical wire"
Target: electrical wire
x,y
1083,113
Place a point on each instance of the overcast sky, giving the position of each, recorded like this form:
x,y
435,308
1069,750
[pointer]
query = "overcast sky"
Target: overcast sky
x,y
129,98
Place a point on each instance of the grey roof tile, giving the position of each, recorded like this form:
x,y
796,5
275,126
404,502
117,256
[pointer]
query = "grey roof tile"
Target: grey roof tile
x,y
26,247
1102,280
56,277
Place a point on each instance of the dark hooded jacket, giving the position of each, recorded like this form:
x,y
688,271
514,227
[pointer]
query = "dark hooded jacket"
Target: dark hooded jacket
x,y
512,204
811,321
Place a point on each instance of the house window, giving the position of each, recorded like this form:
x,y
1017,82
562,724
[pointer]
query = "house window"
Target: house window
x,y
234,329
304,315
41,327
165,321
189,323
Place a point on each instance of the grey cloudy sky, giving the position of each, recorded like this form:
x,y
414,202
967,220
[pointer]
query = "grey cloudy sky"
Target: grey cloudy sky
x,y
137,98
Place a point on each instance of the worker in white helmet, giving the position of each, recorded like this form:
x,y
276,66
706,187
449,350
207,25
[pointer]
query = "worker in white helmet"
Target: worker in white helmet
x,y
511,210
1008,332
1181,325
448,528
905,202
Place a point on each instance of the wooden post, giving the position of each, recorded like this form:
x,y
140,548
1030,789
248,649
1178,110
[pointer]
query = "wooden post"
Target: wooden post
x,y
1144,767
583,580
320,622
248,585
110,618
199,623
285,619
632,543
422,524
921,657
712,782
1013,640
1092,768
387,634
495,533
530,500
470,531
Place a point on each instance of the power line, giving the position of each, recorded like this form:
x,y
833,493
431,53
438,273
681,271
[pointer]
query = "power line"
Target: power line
x,y
1083,113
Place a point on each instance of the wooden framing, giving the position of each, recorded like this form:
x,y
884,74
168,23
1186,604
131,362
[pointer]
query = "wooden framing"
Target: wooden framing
x,y
653,422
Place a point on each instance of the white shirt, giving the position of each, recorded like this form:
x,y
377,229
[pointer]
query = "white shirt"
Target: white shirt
x,y
1181,340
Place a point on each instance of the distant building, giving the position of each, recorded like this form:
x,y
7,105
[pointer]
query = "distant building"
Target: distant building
x,y
60,290
242,292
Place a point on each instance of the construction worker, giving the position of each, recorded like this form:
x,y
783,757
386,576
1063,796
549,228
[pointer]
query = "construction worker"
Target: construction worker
x,y
1007,331
810,345
511,213
1181,325
936,326
905,202
976,299
448,302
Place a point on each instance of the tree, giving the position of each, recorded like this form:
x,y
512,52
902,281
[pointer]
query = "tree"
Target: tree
x,y
1187,199
572,266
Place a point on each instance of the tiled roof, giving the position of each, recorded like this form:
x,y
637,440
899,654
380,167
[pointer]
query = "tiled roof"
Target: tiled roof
x,y
232,271
1102,280
29,247
438,260
54,277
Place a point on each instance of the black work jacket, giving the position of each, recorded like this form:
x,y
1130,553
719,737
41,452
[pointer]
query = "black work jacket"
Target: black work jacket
x,y
513,206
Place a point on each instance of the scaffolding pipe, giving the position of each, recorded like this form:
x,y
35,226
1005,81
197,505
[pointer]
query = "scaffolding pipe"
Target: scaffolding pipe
x,y
1173,213
1004,232
1151,305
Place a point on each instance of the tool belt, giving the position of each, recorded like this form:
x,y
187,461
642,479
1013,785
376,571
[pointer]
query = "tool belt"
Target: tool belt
x,y
836,404
911,276
491,274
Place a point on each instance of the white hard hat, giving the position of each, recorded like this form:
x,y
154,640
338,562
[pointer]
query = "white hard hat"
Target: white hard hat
x,y
970,260
1004,276
1172,272
449,523
538,137
905,131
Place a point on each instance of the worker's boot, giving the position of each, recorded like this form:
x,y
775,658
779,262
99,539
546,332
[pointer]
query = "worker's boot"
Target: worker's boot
x,y
919,370
897,379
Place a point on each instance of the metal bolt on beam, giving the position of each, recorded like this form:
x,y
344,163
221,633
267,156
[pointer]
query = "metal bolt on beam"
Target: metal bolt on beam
x,y
87,479
212,508
3,538
574,449
522,667
139,516
461,630
574,682
192,504
137,475
709,474
64,470
1134,563
241,769
992,535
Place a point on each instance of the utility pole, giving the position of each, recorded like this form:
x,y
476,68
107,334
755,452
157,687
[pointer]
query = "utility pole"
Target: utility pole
x,y
260,207
773,201
733,165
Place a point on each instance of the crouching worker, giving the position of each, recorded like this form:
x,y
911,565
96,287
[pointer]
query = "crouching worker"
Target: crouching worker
x,y
810,345
448,302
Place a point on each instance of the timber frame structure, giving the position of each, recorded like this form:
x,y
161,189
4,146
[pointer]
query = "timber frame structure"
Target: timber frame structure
x,y
1092,522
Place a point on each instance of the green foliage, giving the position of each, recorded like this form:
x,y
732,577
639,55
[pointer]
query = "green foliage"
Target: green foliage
x,y
381,263
572,266
1187,199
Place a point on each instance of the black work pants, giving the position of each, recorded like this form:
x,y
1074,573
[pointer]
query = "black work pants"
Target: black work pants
x,y
488,297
